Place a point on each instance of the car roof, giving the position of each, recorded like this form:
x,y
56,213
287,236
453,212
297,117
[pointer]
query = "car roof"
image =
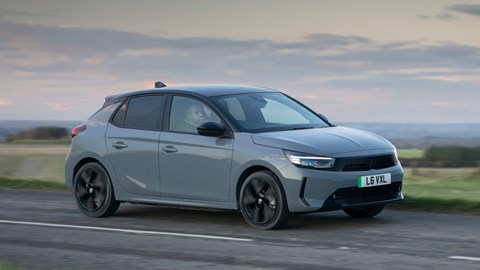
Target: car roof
x,y
211,90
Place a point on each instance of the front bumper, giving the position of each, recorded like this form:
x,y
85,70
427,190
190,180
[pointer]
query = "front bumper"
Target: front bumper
x,y
361,197
309,190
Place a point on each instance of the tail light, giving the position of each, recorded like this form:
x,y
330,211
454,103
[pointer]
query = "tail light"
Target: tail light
x,y
78,129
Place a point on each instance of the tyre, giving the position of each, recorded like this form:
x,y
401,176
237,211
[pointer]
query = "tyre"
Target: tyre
x,y
263,202
93,191
364,212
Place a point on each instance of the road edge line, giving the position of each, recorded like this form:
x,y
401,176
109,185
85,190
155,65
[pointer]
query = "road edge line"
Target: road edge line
x,y
205,236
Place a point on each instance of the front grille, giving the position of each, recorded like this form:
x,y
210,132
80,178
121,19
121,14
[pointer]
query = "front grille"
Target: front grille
x,y
364,163
352,196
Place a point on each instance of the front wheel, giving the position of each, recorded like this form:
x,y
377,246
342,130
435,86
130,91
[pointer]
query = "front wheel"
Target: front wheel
x,y
364,212
93,191
262,201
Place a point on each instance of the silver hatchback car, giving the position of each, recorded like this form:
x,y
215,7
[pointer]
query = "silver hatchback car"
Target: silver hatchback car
x,y
227,147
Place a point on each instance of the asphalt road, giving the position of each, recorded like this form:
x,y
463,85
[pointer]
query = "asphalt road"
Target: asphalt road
x,y
44,230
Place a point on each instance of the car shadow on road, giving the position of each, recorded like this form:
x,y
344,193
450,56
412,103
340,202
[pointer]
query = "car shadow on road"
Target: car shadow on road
x,y
208,218
335,220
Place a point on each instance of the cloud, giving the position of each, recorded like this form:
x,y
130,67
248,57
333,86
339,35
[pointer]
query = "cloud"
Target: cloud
x,y
320,41
451,78
59,106
27,47
57,50
101,54
460,8
5,102
323,69
27,14
466,9
443,17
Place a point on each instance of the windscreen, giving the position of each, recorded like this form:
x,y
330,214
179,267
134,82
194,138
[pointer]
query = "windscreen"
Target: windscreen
x,y
265,112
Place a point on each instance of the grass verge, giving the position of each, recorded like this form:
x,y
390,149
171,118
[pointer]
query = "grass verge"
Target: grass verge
x,y
8,266
438,205
36,184
445,190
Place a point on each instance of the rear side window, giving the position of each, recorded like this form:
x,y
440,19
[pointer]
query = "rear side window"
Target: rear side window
x,y
142,112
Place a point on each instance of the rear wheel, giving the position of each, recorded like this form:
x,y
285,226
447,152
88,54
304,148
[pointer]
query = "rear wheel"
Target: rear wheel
x,y
93,191
262,201
364,212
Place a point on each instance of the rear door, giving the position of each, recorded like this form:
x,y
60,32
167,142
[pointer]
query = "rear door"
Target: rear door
x,y
132,142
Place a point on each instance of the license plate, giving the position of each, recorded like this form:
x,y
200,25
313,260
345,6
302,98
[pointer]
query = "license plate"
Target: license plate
x,y
374,180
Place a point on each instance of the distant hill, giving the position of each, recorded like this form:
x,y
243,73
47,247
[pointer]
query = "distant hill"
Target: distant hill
x,y
403,135
411,131
426,142
10,127
424,135
40,133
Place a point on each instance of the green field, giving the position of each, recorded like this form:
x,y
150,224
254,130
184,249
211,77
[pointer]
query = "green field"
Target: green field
x,y
410,153
32,166
40,142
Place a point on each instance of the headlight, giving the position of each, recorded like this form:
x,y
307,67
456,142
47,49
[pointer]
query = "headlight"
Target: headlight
x,y
310,161
395,154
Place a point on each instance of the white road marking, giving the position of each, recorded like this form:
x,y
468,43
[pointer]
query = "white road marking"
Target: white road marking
x,y
125,230
465,258
36,203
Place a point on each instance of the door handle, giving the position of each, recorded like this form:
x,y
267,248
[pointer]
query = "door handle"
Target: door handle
x,y
169,149
119,145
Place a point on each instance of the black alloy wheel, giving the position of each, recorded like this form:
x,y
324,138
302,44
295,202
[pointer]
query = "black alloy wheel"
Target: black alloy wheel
x,y
93,191
263,202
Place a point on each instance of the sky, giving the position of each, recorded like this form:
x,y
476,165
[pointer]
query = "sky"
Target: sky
x,y
409,61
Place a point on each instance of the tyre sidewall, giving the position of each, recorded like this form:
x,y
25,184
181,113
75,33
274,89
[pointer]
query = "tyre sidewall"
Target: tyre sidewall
x,y
281,213
105,209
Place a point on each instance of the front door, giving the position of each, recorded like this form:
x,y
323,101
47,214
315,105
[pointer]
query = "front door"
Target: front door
x,y
193,166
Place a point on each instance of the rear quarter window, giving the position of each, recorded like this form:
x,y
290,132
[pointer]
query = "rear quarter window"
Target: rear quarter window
x,y
119,118
102,115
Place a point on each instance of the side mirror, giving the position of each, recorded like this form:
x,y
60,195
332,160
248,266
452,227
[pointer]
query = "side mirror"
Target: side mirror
x,y
211,129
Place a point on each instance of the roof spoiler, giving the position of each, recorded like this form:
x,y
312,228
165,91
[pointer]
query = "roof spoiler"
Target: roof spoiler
x,y
108,98
159,84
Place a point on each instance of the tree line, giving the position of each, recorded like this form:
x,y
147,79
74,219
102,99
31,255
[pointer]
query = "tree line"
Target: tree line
x,y
447,156
39,133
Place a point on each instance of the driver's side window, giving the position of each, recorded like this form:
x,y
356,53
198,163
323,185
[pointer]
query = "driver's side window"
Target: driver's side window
x,y
188,113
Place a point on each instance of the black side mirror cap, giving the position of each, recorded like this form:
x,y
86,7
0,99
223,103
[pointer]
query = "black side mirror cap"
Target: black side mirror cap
x,y
211,129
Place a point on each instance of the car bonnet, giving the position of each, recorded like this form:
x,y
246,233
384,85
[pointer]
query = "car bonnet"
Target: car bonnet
x,y
323,141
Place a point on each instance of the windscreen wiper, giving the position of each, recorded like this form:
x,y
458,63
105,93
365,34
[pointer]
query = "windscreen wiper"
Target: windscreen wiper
x,y
298,128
